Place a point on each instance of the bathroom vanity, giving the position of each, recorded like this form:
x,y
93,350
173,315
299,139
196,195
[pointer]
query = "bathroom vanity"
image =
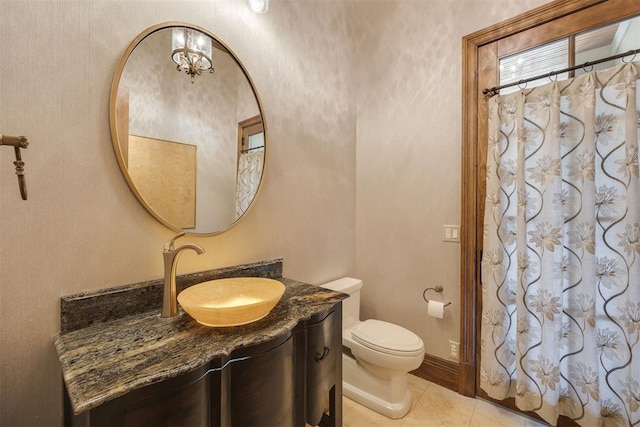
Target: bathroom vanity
x,y
124,365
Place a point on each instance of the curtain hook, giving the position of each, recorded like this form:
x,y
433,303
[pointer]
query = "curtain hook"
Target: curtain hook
x,y
585,65
520,83
551,74
632,58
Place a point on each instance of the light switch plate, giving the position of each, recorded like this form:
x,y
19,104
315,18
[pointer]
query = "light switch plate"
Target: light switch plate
x,y
451,233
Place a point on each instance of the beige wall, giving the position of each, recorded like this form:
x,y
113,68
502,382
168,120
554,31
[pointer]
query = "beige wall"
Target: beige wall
x,y
408,155
388,70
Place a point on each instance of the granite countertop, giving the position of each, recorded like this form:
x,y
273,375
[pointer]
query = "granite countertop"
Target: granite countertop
x,y
109,359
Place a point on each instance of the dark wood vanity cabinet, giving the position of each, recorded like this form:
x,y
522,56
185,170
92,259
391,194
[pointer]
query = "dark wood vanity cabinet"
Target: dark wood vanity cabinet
x,y
323,365
292,380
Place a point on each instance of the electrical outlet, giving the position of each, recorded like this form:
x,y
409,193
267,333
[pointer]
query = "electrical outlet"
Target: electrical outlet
x,y
453,349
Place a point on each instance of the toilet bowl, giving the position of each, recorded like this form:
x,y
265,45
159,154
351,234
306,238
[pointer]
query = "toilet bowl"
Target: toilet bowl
x,y
377,356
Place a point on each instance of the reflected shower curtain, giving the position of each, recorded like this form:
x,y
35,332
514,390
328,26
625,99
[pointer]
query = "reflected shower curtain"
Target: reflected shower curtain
x,y
249,175
561,262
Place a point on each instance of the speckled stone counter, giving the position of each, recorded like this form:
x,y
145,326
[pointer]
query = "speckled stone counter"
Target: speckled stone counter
x,y
89,308
108,359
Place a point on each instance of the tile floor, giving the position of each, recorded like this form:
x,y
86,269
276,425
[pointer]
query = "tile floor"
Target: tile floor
x,y
434,405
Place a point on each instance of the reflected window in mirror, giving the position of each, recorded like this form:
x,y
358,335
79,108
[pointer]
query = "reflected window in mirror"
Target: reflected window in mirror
x,y
250,134
250,161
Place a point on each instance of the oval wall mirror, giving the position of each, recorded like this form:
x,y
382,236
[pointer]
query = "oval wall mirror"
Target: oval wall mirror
x,y
187,128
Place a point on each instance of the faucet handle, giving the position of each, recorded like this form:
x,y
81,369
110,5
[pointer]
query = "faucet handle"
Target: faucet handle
x,y
169,246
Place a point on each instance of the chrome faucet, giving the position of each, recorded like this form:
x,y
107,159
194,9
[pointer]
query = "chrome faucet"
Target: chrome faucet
x,y
170,255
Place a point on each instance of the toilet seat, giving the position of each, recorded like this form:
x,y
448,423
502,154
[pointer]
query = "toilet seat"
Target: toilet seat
x,y
387,338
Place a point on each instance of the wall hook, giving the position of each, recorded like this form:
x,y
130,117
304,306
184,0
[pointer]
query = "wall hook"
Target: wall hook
x,y
438,288
17,142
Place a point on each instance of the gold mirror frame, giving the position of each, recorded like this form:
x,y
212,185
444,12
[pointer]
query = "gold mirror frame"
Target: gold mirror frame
x,y
113,121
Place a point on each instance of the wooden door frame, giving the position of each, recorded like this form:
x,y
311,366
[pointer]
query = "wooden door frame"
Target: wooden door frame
x,y
473,165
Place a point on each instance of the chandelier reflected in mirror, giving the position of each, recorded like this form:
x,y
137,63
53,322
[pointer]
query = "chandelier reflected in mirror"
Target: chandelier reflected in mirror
x,y
191,51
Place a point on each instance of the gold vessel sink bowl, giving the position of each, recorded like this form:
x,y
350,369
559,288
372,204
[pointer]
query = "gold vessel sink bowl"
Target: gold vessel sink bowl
x,y
231,302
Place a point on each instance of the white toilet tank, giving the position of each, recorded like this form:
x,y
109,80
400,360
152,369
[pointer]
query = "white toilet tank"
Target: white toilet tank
x,y
350,306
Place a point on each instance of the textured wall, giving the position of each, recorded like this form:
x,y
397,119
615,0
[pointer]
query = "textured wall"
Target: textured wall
x,y
82,228
408,154
316,65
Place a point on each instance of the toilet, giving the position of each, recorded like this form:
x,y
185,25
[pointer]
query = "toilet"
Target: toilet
x,y
376,356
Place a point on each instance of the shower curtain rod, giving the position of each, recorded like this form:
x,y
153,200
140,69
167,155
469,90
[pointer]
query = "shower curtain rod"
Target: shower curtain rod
x,y
251,149
496,89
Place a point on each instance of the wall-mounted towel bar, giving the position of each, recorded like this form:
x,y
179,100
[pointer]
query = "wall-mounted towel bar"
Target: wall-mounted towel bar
x,y
17,142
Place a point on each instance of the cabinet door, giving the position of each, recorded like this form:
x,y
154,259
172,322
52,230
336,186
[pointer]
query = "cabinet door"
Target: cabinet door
x,y
184,406
324,366
261,388
183,401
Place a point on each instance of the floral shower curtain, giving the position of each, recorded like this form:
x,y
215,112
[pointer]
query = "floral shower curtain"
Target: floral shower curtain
x,y
561,267
248,181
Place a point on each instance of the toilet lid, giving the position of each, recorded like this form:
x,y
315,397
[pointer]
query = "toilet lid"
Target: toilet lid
x,y
387,338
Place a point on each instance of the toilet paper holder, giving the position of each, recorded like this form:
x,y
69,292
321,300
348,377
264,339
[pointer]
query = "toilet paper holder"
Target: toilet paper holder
x,y
438,288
